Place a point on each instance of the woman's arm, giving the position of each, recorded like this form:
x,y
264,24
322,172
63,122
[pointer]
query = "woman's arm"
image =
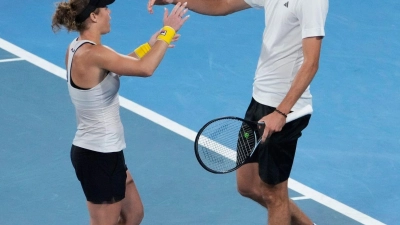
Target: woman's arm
x,y
108,59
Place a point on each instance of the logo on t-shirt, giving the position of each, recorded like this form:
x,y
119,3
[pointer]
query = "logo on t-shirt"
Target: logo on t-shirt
x,y
286,4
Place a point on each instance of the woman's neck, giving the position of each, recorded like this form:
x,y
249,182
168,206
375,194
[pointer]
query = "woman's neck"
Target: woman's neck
x,y
91,36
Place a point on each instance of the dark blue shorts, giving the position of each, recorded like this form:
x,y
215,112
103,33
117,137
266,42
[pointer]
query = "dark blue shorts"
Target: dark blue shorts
x,y
102,175
275,157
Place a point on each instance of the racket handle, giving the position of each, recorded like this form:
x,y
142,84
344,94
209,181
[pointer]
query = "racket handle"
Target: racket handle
x,y
306,110
260,127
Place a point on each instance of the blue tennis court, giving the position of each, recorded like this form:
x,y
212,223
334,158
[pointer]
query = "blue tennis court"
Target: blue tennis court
x,y
346,170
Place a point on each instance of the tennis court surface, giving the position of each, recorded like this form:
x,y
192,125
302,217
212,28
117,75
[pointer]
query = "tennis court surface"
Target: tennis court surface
x,y
346,170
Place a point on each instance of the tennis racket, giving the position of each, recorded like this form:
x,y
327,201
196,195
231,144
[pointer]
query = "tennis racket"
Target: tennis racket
x,y
222,145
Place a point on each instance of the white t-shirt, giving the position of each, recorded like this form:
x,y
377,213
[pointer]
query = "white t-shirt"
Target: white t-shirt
x,y
287,23
97,111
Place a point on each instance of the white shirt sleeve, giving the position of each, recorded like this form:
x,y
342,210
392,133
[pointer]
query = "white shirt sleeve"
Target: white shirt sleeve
x,y
312,16
255,3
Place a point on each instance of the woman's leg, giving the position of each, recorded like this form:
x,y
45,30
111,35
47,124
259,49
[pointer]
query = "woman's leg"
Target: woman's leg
x,y
104,214
132,208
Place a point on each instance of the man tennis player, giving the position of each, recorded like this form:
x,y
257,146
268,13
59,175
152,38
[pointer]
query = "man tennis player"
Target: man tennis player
x,y
288,62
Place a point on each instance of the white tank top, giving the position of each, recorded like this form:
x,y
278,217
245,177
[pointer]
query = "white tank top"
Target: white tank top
x,y
97,111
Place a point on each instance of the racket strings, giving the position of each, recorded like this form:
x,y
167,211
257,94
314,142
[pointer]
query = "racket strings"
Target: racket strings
x,y
246,143
225,144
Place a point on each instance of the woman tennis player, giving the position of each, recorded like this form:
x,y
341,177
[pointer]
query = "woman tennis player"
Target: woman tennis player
x,y
93,72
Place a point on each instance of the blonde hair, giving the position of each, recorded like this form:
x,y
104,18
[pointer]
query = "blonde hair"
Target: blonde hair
x,y
65,14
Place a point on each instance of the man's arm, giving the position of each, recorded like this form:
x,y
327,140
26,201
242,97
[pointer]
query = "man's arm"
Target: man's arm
x,y
206,7
311,51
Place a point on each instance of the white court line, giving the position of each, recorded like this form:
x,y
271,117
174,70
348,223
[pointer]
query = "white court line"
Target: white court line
x,y
300,198
191,135
11,60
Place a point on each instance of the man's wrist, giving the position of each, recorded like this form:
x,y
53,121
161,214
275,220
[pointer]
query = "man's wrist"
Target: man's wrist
x,y
280,112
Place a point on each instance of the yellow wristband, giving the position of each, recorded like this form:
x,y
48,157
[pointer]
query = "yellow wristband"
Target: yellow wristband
x,y
166,34
142,50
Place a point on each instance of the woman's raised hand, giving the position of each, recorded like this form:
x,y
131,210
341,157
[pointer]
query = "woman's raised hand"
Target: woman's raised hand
x,y
177,16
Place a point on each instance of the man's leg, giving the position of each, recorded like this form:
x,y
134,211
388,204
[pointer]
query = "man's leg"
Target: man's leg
x,y
277,200
251,186
281,209
248,182
298,217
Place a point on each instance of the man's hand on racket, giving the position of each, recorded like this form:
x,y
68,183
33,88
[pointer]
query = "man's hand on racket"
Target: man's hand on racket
x,y
151,3
177,16
273,123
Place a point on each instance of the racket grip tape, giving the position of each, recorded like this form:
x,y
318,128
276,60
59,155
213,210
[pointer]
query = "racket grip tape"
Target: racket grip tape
x,y
260,128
